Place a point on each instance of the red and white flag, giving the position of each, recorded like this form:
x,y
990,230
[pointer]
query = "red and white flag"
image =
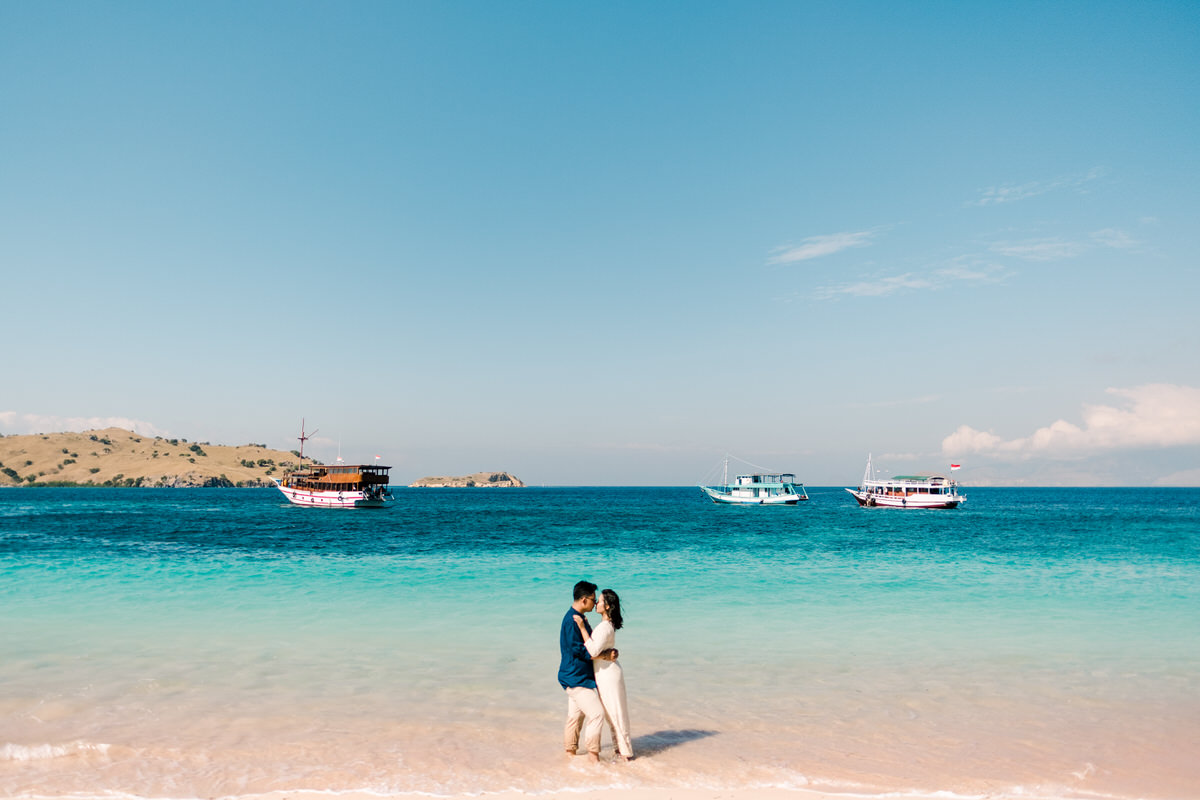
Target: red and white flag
x,y
955,466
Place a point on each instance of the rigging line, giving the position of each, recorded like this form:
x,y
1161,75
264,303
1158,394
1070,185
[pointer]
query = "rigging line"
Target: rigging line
x,y
750,463
711,475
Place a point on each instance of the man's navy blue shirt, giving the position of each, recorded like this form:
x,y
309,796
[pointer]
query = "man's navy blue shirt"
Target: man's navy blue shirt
x,y
576,668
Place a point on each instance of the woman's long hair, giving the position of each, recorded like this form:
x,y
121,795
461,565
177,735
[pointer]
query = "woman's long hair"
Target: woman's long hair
x,y
613,604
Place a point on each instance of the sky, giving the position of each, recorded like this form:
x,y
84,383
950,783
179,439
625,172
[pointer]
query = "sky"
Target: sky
x,y
612,243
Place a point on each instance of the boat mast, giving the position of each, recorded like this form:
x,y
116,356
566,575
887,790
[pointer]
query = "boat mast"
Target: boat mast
x,y
303,438
725,474
867,475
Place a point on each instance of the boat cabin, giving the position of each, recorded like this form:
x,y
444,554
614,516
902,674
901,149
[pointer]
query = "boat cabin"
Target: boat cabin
x,y
338,477
909,485
751,480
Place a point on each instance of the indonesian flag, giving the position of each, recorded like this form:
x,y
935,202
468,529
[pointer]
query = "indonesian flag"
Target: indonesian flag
x,y
955,466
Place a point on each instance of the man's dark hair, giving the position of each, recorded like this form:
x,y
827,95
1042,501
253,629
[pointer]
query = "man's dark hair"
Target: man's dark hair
x,y
584,589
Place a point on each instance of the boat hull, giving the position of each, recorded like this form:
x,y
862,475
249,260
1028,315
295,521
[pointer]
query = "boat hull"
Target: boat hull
x,y
872,500
736,500
329,499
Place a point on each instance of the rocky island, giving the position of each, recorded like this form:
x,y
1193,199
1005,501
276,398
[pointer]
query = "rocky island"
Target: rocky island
x,y
501,480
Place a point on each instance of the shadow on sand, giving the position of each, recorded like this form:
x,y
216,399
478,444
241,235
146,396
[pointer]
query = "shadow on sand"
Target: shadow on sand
x,y
656,742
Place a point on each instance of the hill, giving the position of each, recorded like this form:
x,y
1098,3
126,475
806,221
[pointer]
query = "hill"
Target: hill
x,y
117,457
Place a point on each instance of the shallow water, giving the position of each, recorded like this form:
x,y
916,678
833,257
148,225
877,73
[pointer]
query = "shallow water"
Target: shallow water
x,y
200,643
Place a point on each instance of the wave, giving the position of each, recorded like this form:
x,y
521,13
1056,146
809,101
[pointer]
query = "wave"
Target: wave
x,y
46,752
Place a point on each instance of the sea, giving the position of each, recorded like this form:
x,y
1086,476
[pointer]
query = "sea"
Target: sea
x,y
213,643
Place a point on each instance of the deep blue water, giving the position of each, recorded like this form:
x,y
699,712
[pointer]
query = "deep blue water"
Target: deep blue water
x,y
1023,566
1157,524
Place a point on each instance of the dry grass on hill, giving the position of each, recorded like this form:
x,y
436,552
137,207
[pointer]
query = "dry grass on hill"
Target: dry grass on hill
x,y
117,457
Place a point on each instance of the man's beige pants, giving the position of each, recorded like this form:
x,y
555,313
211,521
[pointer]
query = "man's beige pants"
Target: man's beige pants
x,y
583,704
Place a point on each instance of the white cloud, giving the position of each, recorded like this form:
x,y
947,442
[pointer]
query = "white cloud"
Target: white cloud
x,y
1059,249
1156,415
887,458
911,401
817,246
965,269
968,440
1114,237
1040,249
988,273
1011,193
876,287
12,422
637,447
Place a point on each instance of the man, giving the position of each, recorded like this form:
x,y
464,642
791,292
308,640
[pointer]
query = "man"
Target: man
x,y
578,677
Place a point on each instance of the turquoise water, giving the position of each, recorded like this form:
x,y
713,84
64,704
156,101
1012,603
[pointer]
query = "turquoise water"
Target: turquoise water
x,y
199,643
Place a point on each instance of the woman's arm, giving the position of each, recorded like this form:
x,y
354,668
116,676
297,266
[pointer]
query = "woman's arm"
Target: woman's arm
x,y
599,646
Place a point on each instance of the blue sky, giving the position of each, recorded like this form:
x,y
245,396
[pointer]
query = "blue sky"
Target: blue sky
x,y
609,243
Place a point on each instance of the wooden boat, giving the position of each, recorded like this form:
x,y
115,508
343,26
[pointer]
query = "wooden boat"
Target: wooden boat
x,y
337,485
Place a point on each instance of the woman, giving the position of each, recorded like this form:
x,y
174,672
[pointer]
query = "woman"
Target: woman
x,y
610,680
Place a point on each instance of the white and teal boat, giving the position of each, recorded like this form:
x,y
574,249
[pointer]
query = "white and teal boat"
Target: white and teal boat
x,y
757,489
907,491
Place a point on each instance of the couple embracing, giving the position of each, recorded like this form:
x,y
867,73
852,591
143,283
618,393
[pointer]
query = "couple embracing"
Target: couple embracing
x,y
591,674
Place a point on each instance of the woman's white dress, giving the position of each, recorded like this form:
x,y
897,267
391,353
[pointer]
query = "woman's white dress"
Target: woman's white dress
x,y
610,681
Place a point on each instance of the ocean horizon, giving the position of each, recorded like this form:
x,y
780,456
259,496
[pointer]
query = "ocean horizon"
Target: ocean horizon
x,y
1035,642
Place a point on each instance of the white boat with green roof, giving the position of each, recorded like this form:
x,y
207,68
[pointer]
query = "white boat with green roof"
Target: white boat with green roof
x,y
907,491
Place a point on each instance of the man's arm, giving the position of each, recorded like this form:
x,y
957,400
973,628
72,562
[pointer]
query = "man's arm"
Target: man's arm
x,y
575,638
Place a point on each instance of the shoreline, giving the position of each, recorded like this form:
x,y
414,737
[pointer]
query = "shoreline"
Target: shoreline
x,y
641,793
606,793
